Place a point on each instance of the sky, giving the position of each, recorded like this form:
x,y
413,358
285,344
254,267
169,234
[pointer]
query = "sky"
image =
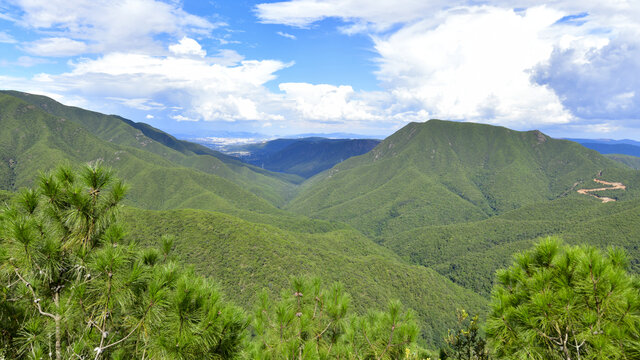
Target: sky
x,y
570,68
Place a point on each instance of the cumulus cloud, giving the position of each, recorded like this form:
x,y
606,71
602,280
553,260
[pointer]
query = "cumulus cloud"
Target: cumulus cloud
x,y
105,26
187,47
474,66
567,63
209,90
328,102
602,83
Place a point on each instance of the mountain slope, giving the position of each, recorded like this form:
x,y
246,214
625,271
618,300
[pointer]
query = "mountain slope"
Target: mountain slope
x,y
442,172
470,253
304,157
32,141
114,129
247,257
631,161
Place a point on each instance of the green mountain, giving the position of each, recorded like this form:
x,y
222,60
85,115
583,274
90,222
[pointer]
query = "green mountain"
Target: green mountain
x,y
248,243
440,172
425,217
33,140
631,161
305,156
247,257
470,253
274,187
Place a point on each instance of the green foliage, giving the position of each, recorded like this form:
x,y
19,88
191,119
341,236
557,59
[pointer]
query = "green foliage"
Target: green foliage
x,y
561,302
629,160
469,254
39,133
442,172
73,286
466,343
246,257
310,322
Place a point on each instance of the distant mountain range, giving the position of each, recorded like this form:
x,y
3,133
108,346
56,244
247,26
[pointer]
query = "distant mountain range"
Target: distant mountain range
x,y
608,146
304,157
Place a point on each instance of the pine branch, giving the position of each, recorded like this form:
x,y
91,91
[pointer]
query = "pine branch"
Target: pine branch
x,y
36,300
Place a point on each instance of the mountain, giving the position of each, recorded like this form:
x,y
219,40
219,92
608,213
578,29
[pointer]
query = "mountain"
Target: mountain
x,y
274,187
605,141
223,228
426,216
246,257
442,172
469,254
304,157
631,161
33,140
625,149
608,146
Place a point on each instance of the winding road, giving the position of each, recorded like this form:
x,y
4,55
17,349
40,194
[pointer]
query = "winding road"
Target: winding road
x,y
612,186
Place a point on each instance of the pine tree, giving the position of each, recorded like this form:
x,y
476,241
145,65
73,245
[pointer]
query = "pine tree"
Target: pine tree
x,y
466,343
562,302
310,322
74,287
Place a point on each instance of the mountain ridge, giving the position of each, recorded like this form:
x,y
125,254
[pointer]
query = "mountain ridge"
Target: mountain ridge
x,y
465,171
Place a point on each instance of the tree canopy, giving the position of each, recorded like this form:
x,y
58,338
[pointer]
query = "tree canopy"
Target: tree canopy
x,y
566,302
73,285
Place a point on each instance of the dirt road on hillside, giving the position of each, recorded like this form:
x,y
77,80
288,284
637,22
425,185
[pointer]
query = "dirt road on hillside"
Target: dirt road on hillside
x,y
612,186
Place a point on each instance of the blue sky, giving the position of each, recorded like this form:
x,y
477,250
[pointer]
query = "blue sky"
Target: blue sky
x,y
569,68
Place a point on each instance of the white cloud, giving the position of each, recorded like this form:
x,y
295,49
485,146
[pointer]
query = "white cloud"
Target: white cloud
x,y
474,67
149,116
367,16
563,63
139,103
210,91
381,14
187,47
6,38
56,47
286,35
182,118
105,26
328,102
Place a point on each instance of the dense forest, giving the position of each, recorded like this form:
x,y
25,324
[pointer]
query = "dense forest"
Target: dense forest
x,y
443,241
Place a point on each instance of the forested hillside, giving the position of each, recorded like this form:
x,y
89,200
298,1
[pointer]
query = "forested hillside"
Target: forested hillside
x,y
440,172
629,160
274,187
